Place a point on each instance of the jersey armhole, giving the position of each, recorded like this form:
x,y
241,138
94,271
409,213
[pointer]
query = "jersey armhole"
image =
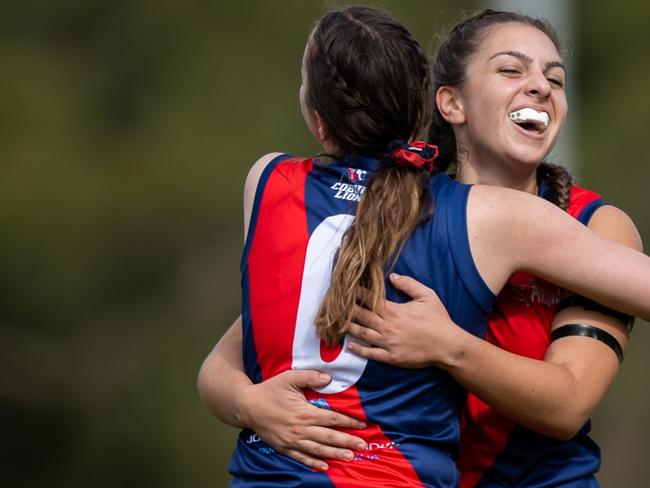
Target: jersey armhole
x,y
588,211
461,251
259,192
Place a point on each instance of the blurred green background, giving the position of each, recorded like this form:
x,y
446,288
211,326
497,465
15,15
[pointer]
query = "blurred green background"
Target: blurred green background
x,y
127,129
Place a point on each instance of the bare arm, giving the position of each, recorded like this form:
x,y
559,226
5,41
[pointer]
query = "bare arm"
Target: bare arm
x,y
554,397
222,378
275,409
513,231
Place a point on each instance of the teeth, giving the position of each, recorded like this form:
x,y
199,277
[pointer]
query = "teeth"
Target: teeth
x,y
529,115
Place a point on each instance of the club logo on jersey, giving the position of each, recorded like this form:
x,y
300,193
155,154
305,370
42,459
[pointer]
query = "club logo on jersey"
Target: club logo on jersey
x,y
348,191
355,174
353,190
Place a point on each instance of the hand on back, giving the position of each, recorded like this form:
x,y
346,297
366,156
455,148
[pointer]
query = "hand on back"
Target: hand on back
x,y
280,415
415,334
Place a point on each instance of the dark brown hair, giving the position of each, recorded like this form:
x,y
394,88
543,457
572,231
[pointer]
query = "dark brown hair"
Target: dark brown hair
x,y
369,81
450,68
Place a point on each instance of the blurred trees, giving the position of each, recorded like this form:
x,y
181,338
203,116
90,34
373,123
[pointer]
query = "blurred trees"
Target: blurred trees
x,y
126,131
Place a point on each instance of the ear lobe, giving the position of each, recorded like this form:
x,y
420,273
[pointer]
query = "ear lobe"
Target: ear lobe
x,y
450,105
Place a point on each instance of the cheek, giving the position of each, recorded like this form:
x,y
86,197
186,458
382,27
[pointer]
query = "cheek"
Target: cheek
x,y
561,107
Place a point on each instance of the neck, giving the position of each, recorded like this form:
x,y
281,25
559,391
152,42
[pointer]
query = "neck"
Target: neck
x,y
514,176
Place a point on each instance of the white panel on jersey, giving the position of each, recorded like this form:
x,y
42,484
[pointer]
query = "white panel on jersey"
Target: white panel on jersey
x,y
323,244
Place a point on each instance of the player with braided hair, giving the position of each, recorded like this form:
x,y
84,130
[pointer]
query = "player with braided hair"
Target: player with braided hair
x,y
462,241
487,56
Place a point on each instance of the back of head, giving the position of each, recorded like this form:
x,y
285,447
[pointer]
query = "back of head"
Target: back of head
x,y
369,82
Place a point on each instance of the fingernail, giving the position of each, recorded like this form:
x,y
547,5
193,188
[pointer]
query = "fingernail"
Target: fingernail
x,y
362,447
323,467
361,425
394,276
324,377
349,456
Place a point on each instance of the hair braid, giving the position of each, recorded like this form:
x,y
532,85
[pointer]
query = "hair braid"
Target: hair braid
x,y
426,110
559,181
349,98
369,81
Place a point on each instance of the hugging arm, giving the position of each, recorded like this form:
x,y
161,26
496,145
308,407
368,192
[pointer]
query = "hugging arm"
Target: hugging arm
x,y
276,409
522,232
554,396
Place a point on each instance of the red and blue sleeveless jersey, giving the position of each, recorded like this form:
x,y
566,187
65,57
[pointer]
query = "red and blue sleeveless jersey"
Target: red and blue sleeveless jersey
x,y
301,210
496,452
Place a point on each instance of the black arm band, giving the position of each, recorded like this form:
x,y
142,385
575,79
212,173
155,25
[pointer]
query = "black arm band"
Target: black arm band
x,y
585,330
590,305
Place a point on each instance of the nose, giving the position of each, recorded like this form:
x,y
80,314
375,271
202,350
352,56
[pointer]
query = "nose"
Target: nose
x,y
538,85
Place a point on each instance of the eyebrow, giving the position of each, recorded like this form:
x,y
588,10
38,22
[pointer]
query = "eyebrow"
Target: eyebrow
x,y
529,60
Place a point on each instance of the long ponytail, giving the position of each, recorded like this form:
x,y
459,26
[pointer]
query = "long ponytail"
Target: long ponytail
x,y
396,200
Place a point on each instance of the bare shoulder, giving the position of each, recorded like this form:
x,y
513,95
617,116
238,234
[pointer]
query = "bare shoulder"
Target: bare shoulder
x,y
615,224
250,187
504,228
256,170
498,204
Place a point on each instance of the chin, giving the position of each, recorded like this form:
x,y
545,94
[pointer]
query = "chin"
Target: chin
x,y
530,159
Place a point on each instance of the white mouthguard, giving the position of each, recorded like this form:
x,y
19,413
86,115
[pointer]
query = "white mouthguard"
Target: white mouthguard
x,y
529,115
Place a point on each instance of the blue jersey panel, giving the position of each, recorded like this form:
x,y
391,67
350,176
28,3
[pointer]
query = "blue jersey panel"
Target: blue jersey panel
x,y
532,460
417,411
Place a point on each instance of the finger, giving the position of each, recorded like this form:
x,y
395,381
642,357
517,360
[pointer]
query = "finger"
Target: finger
x,y
307,378
366,317
411,287
365,298
374,353
365,334
336,439
307,460
323,451
329,418
322,417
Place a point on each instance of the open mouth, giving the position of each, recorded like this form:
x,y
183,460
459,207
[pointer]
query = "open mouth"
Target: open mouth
x,y
530,119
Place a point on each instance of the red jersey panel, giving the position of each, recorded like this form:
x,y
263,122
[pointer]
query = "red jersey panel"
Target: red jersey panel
x,y
519,323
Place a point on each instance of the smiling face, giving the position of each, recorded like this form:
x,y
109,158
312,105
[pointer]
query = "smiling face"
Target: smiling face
x,y
512,103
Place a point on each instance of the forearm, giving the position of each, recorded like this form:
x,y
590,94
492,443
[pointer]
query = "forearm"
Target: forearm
x,y
554,396
529,392
222,380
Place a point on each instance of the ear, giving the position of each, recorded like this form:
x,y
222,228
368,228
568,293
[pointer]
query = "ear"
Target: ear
x,y
450,105
321,128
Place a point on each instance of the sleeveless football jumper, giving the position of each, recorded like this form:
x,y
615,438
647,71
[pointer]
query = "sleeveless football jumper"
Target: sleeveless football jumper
x,y
496,452
302,208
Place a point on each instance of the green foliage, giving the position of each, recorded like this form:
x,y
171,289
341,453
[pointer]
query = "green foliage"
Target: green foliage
x,y
126,131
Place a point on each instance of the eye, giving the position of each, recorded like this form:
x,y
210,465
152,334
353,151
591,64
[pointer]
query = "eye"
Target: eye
x,y
510,71
556,82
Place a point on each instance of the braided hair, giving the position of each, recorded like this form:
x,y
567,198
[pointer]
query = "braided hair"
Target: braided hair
x,y
369,80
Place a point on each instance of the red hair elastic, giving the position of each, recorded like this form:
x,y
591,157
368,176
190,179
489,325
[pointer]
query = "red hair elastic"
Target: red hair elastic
x,y
418,154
